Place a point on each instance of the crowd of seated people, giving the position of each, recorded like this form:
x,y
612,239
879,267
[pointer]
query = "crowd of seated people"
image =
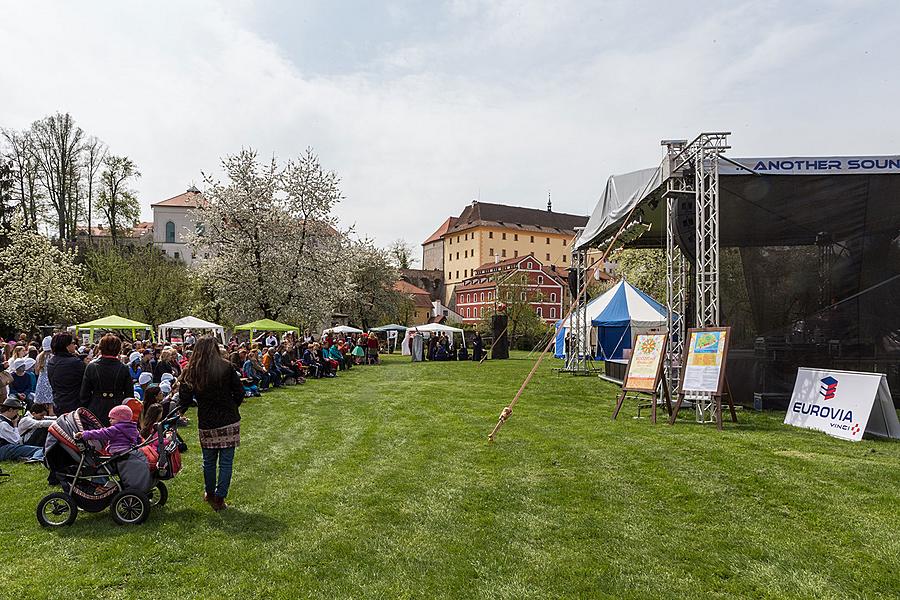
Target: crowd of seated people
x,y
49,376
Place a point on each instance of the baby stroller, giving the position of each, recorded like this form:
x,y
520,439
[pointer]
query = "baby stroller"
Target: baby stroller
x,y
93,481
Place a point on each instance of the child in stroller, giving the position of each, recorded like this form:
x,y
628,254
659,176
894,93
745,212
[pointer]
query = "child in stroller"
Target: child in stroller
x,y
126,481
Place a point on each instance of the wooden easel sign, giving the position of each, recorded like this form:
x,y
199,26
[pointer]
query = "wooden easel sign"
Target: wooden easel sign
x,y
703,368
644,372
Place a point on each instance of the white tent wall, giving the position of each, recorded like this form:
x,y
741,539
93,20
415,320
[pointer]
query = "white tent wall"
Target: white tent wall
x,y
192,323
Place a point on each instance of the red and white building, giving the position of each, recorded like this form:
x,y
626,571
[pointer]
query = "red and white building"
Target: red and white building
x,y
476,296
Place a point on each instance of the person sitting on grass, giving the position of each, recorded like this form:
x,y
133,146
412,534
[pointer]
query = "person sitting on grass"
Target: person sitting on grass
x,y
33,426
11,446
144,380
121,434
23,383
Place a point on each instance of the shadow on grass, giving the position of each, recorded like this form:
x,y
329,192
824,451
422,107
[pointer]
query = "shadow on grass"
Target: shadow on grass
x,y
233,521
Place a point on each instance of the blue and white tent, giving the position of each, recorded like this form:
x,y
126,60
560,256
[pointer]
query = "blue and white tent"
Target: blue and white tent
x,y
618,315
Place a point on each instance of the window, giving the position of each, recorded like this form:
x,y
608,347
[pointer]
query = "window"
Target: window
x,y
532,239
552,297
490,251
465,254
504,235
481,312
516,237
540,312
548,240
177,255
490,295
529,265
515,253
170,232
490,235
457,239
467,313
466,238
465,272
523,296
552,313
482,296
503,252
457,274
540,280
564,258
564,242
548,256
451,241
457,256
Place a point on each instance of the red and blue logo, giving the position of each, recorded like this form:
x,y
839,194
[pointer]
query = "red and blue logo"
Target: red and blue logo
x,y
829,388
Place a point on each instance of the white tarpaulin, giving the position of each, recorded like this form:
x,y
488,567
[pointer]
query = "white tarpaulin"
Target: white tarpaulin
x,y
192,323
622,193
845,404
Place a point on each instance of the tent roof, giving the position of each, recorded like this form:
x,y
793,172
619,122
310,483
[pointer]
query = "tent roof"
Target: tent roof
x,y
391,327
190,322
266,325
113,322
342,329
436,327
624,304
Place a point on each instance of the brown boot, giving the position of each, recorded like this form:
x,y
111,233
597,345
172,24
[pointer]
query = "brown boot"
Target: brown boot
x,y
219,503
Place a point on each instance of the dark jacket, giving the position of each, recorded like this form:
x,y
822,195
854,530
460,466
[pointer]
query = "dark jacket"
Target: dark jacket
x,y
163,367
217,405
106,383
66,372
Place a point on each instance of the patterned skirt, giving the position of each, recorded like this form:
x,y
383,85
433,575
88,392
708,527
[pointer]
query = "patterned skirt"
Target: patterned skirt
x,y
228,436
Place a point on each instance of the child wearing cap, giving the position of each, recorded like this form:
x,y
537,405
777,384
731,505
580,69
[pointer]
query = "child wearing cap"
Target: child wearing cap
x,y
11,446
134,365
144,380
120,436
23,383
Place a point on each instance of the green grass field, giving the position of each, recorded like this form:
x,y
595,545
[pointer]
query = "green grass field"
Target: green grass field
x,y
381,484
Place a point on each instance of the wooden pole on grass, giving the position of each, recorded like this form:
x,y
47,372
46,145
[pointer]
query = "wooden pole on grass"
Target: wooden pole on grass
x,y
507,410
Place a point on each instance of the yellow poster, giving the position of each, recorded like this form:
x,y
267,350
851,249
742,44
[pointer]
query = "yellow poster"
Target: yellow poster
x,y
645,362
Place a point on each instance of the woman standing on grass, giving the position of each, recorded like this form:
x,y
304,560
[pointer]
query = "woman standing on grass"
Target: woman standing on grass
x,y
211,384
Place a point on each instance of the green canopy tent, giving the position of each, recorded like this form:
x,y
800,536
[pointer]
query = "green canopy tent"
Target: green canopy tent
x,y
115,322
265,325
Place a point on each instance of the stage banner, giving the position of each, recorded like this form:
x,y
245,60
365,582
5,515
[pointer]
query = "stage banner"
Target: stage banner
x,y
646,363
845,404
811,165
705,360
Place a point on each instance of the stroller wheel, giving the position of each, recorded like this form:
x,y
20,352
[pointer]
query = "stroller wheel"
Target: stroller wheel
x,y
56,510
130,507
158,494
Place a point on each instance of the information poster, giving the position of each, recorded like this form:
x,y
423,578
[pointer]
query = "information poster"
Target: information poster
x,y
646,362
705,360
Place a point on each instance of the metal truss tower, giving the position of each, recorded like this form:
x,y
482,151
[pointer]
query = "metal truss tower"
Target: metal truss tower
x,y
577,351
693,169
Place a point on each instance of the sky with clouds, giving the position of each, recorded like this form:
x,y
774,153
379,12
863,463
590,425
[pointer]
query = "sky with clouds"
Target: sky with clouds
x,y
423,106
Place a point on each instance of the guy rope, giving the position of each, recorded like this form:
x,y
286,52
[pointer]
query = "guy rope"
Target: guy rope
x,y
507,410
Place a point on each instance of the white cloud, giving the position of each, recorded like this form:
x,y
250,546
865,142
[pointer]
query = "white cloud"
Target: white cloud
x,y
506,100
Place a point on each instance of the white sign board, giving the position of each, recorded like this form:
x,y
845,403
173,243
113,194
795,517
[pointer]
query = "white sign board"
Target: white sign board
x,y
845,404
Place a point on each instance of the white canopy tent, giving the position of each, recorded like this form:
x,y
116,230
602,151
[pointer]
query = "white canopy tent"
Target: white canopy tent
x,y
437,328
192,323
341,329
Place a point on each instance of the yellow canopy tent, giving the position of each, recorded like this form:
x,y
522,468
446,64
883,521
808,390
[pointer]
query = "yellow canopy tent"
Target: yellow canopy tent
x,y
115,322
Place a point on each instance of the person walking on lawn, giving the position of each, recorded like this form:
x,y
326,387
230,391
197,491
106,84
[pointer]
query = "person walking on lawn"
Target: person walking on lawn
x,y
211,384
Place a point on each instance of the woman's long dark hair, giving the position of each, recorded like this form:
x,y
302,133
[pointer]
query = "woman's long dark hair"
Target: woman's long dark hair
x,y
206,365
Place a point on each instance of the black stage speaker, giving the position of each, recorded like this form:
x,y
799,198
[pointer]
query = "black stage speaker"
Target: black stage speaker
x,y
686,224
500,349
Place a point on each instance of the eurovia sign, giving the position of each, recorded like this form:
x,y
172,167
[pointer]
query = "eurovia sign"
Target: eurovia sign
x,y
812,165
845,404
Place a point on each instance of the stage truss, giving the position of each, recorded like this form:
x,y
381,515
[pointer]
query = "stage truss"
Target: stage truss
x,y
693,172
578,361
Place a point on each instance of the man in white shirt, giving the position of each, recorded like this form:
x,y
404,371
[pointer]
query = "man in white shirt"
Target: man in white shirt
x,y
271,340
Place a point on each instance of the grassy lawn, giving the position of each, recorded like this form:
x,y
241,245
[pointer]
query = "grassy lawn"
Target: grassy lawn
x,y
382,484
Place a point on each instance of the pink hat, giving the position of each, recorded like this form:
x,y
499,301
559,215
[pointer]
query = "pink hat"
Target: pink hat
x,y
120,413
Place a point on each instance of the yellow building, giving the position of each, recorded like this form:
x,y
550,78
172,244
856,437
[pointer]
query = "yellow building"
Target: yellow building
x,y
486,232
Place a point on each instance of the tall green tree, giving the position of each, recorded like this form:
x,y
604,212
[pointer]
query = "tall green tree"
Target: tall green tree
x,y
117,203
140,282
